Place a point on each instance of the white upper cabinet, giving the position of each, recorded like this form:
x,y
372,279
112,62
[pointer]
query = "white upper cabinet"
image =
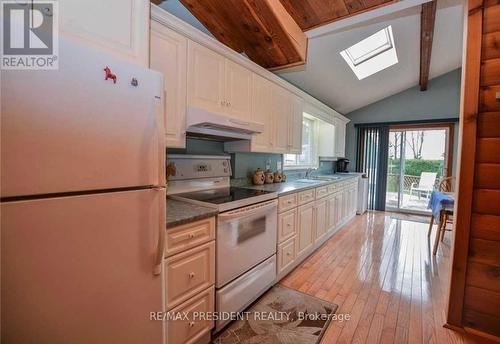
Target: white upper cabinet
x,y
282,117
238,90
120,27
263,112
281,113
205,78
340,133
295,125
202,73
168,56
218,84
326,144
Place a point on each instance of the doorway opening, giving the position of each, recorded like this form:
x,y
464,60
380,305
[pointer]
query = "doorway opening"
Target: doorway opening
x,y
419,157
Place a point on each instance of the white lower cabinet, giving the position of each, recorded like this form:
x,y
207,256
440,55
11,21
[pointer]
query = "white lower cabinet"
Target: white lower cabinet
x,y
320,219
189,281
191,329
287,252
305,228
332,212
308,218
287,225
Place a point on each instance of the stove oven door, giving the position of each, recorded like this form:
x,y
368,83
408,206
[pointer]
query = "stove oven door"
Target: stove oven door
x,y
245,237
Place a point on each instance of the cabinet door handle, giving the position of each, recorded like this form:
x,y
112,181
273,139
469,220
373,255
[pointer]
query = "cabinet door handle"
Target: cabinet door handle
x,y
191,275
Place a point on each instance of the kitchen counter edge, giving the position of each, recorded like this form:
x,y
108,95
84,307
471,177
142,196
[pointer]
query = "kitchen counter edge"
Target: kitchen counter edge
x,y
289,187
180,213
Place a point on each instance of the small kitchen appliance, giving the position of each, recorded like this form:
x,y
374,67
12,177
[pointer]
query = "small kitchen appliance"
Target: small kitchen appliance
x,y
342,164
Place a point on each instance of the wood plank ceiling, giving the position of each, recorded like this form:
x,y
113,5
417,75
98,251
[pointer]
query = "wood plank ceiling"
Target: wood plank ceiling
x,y
270,32
313,13
262,29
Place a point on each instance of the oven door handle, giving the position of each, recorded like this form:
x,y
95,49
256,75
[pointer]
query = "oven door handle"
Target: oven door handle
x,y
247,211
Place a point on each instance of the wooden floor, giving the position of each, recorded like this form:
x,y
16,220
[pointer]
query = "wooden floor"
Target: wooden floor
x,y
381,272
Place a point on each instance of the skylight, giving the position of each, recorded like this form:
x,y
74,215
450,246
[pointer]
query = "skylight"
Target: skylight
x,y
372,54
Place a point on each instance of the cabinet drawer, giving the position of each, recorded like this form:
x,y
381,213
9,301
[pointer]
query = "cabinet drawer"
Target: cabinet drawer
x,y
287,202
287,252
321,192
187,236
188,273
190,329
332,188
306,196
287,225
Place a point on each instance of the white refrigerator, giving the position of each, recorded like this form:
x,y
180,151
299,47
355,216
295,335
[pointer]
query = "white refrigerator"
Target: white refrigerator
x,y
82,202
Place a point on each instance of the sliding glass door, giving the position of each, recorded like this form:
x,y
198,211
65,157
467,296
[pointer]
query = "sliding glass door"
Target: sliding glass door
x,y
418,158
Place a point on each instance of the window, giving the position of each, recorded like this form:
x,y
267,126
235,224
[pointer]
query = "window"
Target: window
x,y
372,54
309,156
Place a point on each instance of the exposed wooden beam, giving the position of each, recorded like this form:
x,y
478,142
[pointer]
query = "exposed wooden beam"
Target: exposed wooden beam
x,y
427,21
262,29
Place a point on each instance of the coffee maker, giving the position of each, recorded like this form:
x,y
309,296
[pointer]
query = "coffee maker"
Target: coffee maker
x,y
342,165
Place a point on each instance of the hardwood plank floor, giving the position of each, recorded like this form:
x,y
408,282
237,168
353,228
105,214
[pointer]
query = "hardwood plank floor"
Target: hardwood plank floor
x,y
381,272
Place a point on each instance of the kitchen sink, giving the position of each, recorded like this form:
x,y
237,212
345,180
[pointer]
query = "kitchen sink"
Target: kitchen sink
x,y
317,179
310,181
325,178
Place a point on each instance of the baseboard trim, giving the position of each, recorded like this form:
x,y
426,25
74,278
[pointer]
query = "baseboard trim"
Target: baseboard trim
x,y
489,337
454,328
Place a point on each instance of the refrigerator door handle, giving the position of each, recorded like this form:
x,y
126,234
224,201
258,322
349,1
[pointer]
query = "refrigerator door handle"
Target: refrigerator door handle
x,y
160,249
160,131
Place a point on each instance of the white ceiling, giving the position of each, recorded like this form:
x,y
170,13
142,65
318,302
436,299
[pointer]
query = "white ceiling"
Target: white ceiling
x,y
327,77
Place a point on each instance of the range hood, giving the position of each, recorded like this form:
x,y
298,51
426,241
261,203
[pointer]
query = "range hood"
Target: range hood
x,y
201,122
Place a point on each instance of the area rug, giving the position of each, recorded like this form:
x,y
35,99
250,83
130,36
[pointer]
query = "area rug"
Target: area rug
x,y
281,316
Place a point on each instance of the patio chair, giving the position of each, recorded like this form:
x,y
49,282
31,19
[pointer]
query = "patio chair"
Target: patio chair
x,y
425,184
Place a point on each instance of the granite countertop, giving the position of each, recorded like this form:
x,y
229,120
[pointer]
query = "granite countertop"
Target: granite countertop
x,y
292,186
179,213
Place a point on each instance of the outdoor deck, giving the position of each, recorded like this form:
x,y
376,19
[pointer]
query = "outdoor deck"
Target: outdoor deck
x,y
408,202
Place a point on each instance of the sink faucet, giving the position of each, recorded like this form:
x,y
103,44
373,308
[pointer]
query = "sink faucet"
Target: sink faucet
x,y
309,171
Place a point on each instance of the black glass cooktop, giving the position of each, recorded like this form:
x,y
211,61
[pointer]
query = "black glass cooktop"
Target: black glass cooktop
x,y
222,195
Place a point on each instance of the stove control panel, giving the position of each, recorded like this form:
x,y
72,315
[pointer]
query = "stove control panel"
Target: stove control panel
x,y
199,166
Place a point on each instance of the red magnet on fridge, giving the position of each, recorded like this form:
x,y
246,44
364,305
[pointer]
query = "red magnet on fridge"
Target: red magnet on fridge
x,y
109,75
